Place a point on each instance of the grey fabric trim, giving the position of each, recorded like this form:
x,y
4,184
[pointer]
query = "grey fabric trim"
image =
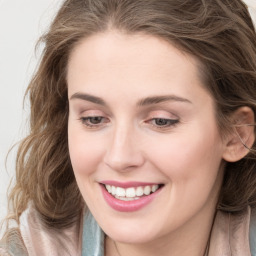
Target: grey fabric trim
x,y
93,237
253,232
13,245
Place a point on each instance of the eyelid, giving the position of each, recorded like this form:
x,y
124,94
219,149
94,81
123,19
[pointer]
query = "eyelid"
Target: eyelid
x,y
162,114
91,112
170,123
86,117
85,120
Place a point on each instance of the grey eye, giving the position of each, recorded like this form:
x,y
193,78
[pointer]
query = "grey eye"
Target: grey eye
x,y
164,121
95,119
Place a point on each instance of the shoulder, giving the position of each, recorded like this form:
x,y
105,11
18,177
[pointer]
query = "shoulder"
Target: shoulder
x,y
32,237
12,244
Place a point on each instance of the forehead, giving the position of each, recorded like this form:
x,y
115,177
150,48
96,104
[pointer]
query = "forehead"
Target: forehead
x,y
131,63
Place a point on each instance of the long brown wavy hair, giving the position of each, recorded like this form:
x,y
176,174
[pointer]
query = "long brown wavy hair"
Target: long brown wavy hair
x,y
219,33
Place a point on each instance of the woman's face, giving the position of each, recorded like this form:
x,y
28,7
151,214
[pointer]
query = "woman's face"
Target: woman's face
x,y
142,126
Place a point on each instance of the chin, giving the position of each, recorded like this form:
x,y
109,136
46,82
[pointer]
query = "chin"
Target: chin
x,y
131,233
131,237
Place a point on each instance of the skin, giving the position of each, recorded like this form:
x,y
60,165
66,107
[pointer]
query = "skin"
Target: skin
x,y
127,143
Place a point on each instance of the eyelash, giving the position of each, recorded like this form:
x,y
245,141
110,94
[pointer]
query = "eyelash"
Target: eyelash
x,y
87,121
168,122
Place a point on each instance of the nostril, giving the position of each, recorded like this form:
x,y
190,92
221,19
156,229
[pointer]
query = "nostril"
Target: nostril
x,y
124,164
122,154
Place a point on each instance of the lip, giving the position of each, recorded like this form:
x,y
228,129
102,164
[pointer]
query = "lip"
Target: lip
x,y
128,206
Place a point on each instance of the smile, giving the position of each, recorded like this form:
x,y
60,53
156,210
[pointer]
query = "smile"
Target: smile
x,y
132,193
129,197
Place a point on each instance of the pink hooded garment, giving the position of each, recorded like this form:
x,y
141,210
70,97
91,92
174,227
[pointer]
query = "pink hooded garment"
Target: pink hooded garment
x,y
230,236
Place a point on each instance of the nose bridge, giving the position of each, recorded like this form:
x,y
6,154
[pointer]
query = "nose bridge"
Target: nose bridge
x,y
123,150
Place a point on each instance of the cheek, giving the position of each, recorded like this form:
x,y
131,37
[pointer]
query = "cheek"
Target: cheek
x,y
192,170
188,157
85,152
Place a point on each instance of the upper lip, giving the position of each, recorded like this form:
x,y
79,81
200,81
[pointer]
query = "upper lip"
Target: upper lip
x,y
128,184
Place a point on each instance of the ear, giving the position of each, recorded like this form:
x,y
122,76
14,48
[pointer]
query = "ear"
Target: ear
x,y
242,136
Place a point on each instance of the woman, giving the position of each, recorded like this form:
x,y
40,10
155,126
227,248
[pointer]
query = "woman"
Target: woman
x,y
142,134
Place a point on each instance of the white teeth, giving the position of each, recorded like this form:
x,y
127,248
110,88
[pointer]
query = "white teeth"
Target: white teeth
x,y
131,193
147,190
108,187
139,191
113,190
155,188
120,191
127,198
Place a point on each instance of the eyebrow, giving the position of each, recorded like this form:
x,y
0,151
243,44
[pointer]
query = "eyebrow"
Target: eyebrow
x,y
143,102
88,97
159,99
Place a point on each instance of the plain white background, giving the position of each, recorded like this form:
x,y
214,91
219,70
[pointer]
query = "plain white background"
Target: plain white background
x,y
21,24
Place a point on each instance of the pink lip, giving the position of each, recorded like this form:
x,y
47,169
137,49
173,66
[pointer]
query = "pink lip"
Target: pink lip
x,y
128,206
131,184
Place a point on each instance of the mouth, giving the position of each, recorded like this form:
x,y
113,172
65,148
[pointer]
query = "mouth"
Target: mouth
x,y
129,196
131,193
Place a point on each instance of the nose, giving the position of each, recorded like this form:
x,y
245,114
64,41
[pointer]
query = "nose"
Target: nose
x,y
123,152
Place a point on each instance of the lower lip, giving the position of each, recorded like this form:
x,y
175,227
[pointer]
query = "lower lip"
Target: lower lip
x,y
128,206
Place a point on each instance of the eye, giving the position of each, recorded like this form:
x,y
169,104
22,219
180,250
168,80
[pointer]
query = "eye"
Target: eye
x,y
161,123
93,121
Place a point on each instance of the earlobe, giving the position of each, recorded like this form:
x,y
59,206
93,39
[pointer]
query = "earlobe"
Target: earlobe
x,y
242,136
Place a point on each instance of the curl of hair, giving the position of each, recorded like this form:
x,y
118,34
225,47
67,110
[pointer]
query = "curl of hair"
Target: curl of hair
x,y
219,33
